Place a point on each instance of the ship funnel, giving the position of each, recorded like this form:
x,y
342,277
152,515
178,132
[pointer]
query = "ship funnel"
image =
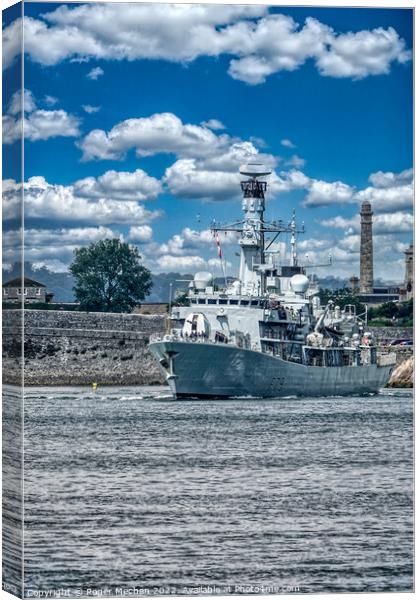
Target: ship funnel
x,y
254,170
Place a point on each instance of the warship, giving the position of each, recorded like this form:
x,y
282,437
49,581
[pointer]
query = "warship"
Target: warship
x,y
265,334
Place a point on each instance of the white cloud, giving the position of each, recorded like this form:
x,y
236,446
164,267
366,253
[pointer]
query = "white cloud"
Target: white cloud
x,y
45,124
323,193
38,124
12,42
216,176
187,178
186,264
208,163
213,124
180,263
54,265
387,199
159,133
397,222
287,143
258,43
364,53
140,233
258,141
214,265
119,185
295,161
345,255
59,203
190,240
389,179
91,109
390,192
95,73
340,222
50,100
18,105
53,246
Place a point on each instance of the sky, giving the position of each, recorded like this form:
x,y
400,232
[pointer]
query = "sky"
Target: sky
x,y
137,117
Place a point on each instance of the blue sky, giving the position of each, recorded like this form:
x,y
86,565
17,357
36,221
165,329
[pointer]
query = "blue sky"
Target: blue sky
x,y
322,95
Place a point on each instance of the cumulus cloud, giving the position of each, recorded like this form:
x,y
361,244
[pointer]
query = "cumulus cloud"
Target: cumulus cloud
x,y
207,165
37,124
190,240
59,203
53,246
180,263
389,179
188,178
21,103
140,233
323,193
363,53
287,143
213,124
258,43
295,161
91,109
340,222
186,264
50,100
217,177
390,192
159,133
119,185
95,73
396,196
345,255
397,222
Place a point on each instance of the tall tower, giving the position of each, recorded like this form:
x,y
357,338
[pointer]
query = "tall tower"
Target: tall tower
x,y
366,249
408,281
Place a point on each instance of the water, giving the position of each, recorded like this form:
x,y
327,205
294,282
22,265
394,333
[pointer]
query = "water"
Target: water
x,y
125,488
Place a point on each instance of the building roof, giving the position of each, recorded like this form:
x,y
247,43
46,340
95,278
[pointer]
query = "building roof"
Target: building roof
x,y
17,282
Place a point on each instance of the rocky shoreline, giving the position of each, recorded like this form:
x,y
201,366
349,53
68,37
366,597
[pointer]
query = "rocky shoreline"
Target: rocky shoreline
x,y
403,375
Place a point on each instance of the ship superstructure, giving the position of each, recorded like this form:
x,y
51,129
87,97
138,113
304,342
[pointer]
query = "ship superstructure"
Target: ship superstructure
x,y
264,334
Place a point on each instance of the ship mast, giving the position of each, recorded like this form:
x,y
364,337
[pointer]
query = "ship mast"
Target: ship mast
x,y
253,227
293,242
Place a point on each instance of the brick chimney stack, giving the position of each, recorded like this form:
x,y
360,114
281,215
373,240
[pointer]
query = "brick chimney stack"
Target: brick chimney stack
x,y
366,249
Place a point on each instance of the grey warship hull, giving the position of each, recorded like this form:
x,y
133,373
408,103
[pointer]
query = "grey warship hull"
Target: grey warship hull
x,y
207,370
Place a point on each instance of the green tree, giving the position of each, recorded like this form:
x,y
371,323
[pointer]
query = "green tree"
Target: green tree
x,y
181,299
388,310
109,276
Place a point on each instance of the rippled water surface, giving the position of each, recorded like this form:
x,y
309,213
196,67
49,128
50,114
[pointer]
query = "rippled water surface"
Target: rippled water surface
x,y
126,488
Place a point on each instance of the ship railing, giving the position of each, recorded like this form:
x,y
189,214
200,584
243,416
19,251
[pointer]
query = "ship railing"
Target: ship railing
x,y
175,336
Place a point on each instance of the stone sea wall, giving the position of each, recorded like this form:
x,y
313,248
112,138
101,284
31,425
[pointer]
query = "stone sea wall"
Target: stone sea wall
x,y
75,348
384,334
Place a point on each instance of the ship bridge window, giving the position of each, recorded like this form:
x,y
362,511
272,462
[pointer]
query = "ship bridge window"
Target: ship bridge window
x,y
223,301
244,302
233,302
201,301
193,301
211,301
254,303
